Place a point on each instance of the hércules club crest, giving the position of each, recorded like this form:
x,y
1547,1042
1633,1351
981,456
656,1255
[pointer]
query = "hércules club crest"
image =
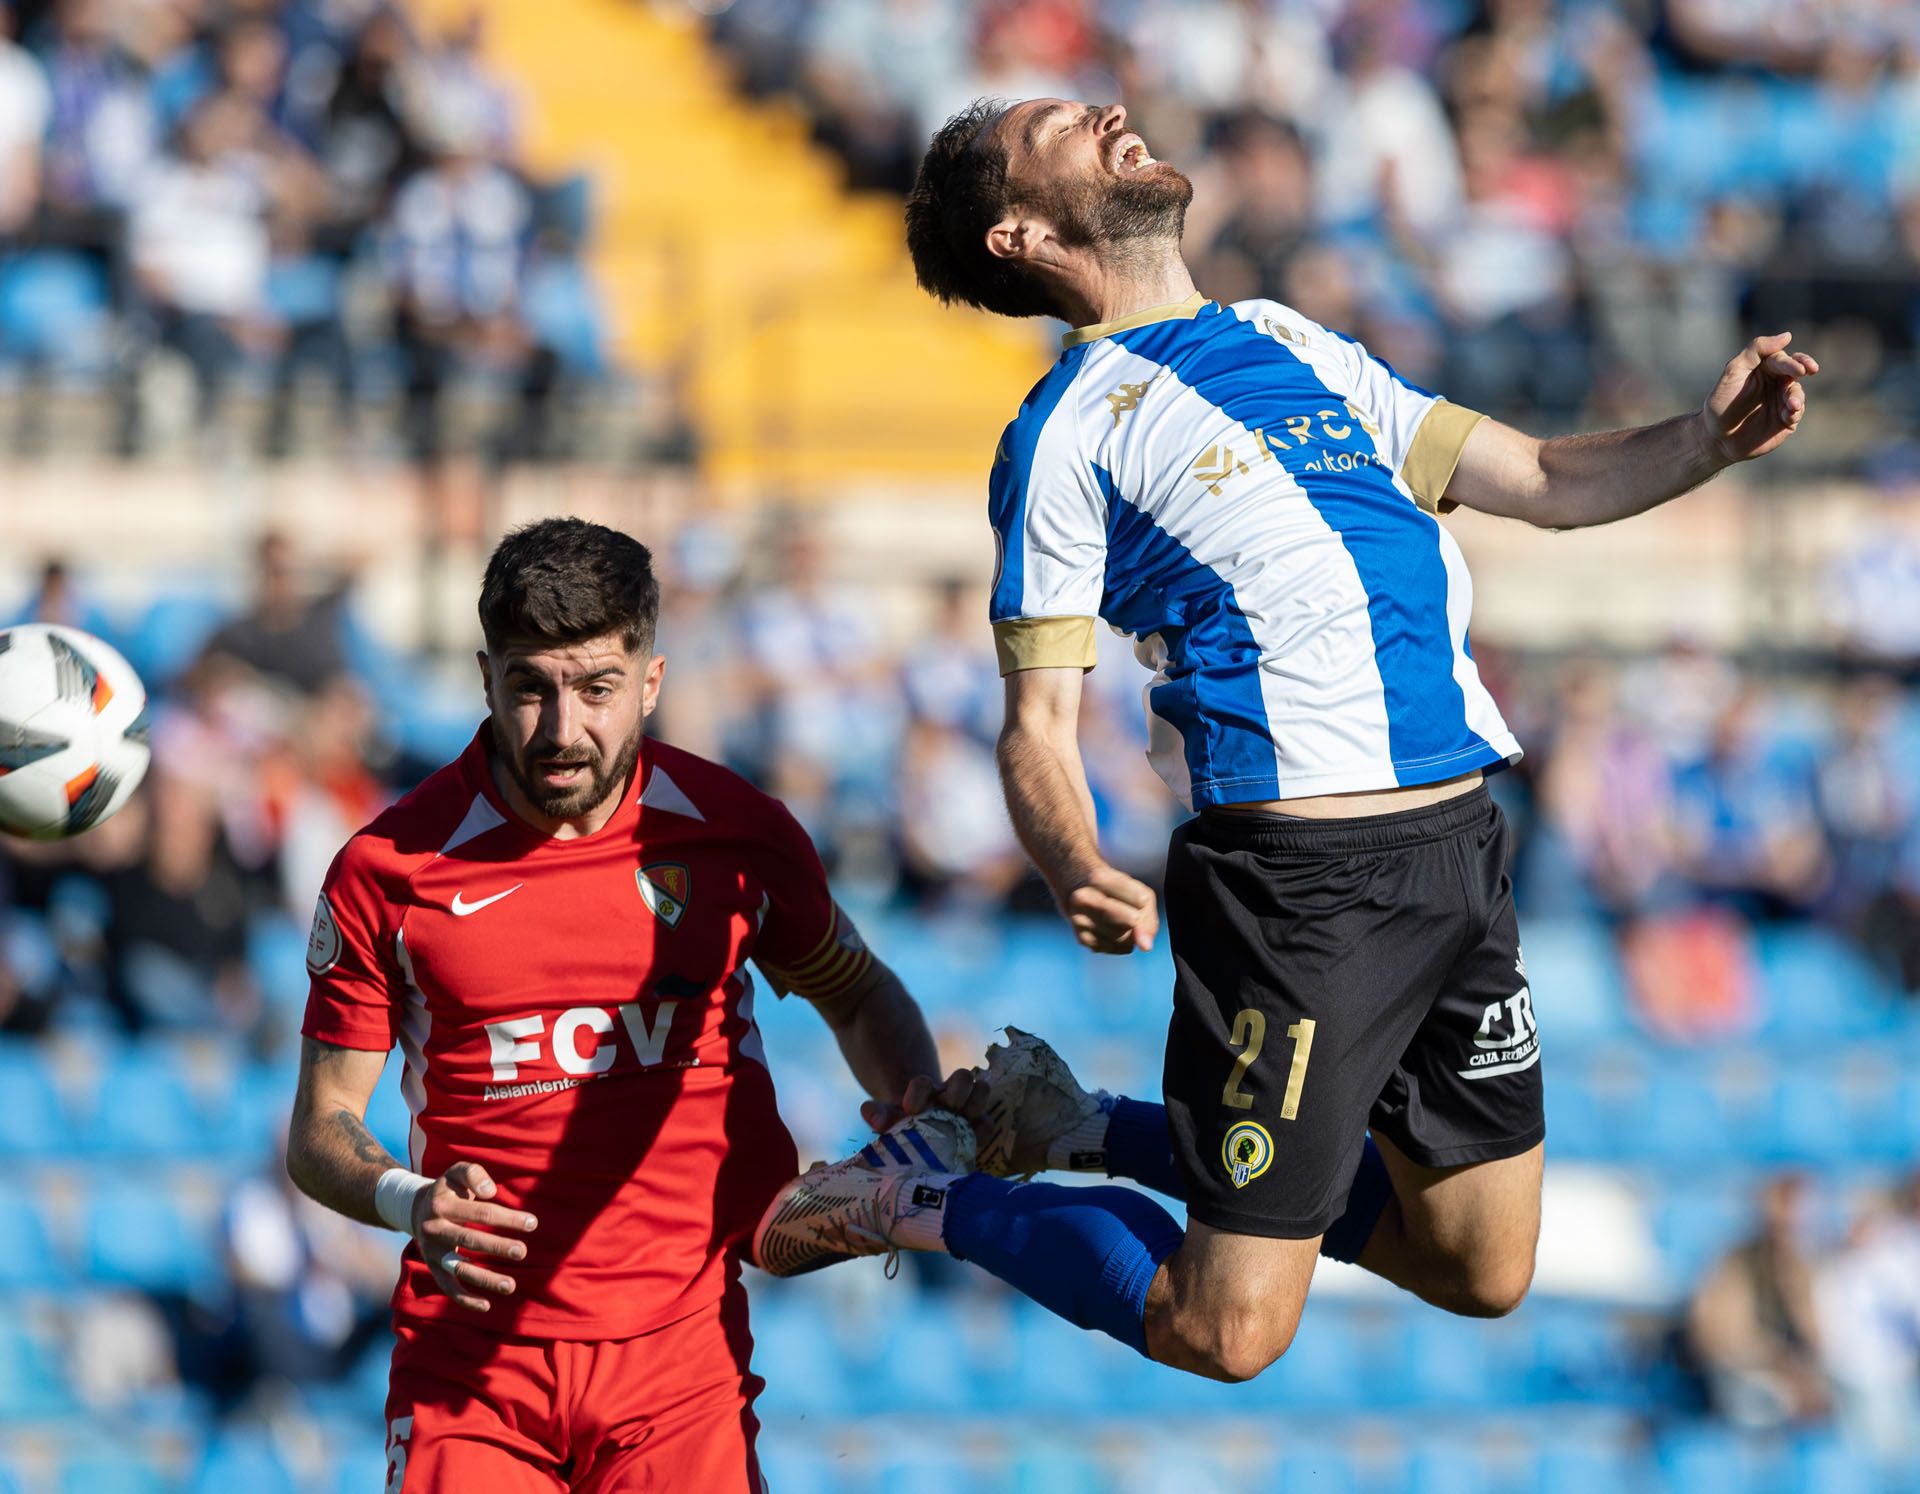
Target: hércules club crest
x,y
666,886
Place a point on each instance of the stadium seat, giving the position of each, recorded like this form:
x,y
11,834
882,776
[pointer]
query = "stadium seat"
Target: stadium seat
x,y
136,1233
802,1366
795,1465
1706,1456
243,1460
1832,1467
108,1470
1816,984
1573,970
1448,1467
33,1123
28,1260
359,1469
33,1381
1810,1121
142,1107
1056,1467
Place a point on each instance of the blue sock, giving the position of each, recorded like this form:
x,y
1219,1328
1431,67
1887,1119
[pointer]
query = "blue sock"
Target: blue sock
x,y
1087,1254
1347,1236
1140,1147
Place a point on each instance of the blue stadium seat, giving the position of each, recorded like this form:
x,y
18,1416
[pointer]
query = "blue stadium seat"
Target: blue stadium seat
x,y
1056,1467
1832,1467
793,1349
110,1470
33,1381
1706,1456
1311,1466
136,1233
170,633
245,1460
143,1108
1810,1121
1816,984
796,1466
1586,1470
1448,1467
1573,970
359,1469
28,1259
53,307
1680,1121
33,1122
1446,1363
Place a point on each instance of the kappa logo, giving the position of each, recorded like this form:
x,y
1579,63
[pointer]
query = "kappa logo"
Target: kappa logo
x,y
1126,399
666,887
1247,1151
1508,1039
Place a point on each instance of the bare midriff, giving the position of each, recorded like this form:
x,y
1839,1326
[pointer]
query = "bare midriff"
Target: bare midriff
x,y
1355,806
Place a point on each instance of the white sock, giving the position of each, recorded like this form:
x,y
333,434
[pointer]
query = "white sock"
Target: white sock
x,y
918,1211
1083,1149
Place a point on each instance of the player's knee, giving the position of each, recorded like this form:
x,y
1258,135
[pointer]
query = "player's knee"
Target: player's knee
x,y
1495,1287
1233,1342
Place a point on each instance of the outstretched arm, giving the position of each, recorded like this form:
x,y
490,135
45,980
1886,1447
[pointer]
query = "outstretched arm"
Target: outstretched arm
x,y
882,1034
1052,809
335,1160
1570,482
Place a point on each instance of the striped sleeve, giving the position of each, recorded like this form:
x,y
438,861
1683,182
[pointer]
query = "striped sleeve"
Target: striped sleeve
x,y
1050,532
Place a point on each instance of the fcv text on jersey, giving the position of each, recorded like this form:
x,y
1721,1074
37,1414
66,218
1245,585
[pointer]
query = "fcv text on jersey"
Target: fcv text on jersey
x,y
520,1040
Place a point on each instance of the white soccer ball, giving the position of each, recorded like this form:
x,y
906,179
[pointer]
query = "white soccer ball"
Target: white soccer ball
x,y
73,731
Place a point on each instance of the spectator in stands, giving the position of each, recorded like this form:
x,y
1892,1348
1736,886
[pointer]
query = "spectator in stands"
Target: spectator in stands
x,y
1873,590
1866,801
100,138
1751,1324
176,935
1748,832
457,243
1868,1302
200,252
1270,183
26,104
287,635
369,142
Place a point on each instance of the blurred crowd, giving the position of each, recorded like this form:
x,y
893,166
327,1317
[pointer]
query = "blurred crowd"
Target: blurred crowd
x,y
1787,1330
1676,798
291,190
1564,207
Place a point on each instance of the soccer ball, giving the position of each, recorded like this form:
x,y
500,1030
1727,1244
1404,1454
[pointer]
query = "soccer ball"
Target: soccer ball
x,y
73,731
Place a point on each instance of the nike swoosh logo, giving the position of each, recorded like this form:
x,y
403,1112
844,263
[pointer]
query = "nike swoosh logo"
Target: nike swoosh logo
x,y
461,907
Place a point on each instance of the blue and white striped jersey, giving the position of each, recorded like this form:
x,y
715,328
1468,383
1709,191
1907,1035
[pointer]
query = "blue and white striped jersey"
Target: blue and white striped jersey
x,y
1251,498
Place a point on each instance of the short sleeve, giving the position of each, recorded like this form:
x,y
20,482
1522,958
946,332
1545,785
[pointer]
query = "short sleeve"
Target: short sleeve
x,y
806,943
1050,534
1420,435
355,991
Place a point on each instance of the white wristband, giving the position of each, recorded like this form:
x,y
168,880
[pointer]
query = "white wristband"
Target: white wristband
x,y
393,1197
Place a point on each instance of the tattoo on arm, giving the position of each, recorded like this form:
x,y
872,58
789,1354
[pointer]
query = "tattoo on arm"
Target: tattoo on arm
x,y
365,1145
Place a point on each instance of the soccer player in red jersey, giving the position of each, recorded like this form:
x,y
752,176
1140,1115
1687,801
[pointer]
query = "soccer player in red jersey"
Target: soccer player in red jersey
x,y
556,930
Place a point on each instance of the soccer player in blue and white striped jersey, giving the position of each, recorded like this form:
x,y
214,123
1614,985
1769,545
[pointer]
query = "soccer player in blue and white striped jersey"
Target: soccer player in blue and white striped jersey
x,y
1352,1061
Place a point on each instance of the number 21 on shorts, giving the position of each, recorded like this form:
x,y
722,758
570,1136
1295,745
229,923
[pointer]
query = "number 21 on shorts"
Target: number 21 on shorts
x,y
1249,1035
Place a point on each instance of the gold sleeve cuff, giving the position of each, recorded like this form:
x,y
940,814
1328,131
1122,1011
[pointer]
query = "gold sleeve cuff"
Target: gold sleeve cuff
x,y
1436,452
1044,643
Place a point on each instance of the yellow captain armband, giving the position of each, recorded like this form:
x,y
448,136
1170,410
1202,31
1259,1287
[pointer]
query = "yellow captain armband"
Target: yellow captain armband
x,y
1435,452
837,965
1044,643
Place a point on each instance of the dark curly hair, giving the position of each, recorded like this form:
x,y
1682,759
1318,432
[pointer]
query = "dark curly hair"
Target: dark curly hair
x,y
568,580
961,191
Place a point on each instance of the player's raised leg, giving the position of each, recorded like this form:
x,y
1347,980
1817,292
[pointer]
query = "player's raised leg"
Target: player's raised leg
x,y
1463,1238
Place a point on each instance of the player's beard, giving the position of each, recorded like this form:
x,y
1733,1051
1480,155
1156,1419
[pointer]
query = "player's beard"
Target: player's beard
x,y
603,778
1122,213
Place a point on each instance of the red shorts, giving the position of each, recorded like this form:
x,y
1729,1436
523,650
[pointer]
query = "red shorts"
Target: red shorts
x,y
469,1410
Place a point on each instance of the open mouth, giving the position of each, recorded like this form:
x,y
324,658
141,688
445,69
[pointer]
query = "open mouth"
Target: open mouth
x,y
1130,156
562,774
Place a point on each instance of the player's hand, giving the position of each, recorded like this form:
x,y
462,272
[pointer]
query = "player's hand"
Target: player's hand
x,y
455,1220
1759,400
1111,912
965,1093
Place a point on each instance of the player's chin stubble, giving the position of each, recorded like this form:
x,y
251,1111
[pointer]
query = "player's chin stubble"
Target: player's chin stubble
x,y
570,803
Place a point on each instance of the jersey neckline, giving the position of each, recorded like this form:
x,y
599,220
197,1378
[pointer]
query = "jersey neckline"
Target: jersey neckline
x,y
1172,311
477,768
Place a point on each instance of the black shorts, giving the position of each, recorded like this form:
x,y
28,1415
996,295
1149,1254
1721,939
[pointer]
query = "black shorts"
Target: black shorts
x,y
1333,976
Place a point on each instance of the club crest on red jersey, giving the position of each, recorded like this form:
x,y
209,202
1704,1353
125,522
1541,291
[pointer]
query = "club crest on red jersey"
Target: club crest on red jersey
x,y
666,886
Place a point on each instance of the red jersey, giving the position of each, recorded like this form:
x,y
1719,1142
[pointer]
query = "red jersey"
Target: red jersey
x,y
577,1017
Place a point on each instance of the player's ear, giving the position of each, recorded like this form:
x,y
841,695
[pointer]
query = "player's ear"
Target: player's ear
x,y
1016,237
650,684
486,672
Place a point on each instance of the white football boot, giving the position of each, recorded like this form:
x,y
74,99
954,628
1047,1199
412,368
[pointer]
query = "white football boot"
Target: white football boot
x,y
1037,1115
851,1208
